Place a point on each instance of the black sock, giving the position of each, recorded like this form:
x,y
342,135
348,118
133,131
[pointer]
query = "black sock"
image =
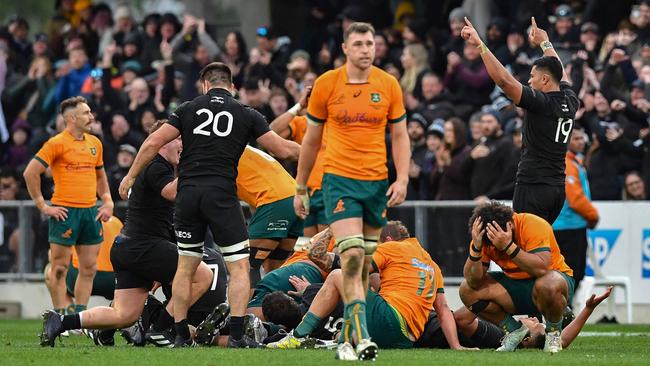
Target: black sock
x,y
226,328
182,330
71,322
163,322
236,327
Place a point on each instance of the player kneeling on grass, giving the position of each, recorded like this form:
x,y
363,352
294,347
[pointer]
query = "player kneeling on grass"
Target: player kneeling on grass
x,y
481,333
535,278
411,285
266,186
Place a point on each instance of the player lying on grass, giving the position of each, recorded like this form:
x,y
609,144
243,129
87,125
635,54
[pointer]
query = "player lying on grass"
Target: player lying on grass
x,y
476,332
410,285
266,186
299,265
142,254
535,278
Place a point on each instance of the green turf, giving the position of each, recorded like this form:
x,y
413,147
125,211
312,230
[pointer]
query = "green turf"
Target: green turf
x,y
19,346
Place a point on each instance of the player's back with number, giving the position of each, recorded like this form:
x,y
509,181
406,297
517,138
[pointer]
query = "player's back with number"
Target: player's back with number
x,y
547,126
215,129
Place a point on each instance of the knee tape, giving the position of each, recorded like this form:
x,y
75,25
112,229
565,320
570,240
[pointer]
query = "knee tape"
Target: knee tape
x,y
258,256
370,244
478,306
355,241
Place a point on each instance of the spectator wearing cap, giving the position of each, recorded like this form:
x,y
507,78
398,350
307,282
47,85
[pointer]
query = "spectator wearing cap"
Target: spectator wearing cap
x,y
435,101
235,55
448,180
564,33
490,163
119,133
193,49
434,136
468,80
40,47
125,156
590,40
297,69
415,63
72,75
417,127
275,53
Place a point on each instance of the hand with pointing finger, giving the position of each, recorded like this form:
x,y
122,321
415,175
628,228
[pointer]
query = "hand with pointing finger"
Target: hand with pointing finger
x,y
469,34
536,35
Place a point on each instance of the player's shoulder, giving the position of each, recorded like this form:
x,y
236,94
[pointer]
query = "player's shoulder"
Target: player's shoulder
x,y
382,76
182,107
92,139
530,221
331,76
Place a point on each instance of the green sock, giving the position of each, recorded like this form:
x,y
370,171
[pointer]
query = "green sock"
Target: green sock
x,y
357,314
553,327
60,311
272,328
510,324
79,308
69,310
309,322
345,327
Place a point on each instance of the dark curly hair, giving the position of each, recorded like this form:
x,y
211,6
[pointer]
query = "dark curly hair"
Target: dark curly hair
x,y
491,211
281,309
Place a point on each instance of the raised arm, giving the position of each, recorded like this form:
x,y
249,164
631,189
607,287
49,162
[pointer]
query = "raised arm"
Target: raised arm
x,y
498,73
573,329
539,38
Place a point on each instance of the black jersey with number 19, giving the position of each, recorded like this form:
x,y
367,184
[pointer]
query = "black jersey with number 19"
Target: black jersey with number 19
x,y
215,129
547,127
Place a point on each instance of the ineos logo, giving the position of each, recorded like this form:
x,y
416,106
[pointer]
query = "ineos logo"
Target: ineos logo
x,y
183,234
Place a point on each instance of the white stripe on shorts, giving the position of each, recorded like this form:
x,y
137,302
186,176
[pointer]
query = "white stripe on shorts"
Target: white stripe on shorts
x,y
234,258
235,247
188,253
187,246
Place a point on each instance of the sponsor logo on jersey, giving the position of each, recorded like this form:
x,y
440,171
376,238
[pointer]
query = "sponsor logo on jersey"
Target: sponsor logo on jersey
x,y
375,97
93,151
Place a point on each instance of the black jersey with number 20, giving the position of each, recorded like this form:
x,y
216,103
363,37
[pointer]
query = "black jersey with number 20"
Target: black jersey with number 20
x,y
547,127
215,129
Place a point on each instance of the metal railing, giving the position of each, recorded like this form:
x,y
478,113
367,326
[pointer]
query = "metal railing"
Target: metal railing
x,y
441,227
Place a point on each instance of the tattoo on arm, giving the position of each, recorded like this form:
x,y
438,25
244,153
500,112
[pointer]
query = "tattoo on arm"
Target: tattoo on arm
x,y
319,255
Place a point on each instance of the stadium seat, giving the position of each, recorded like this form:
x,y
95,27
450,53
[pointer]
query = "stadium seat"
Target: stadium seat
x,y
601,279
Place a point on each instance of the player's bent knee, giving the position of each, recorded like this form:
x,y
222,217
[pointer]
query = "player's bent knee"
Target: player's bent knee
x,y
467,294
257,256
59,270
194,250
235,252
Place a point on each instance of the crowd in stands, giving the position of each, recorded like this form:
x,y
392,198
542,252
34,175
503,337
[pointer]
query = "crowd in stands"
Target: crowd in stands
x,y
465,134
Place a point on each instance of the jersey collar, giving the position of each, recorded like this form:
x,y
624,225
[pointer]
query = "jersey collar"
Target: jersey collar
x,y
219,90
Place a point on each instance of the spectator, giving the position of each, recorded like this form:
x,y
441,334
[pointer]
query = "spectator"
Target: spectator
x,y
578,213
590,38
634,189
72,75
150,39
124,24
19,45
449,181
417,127
19,152
490,163
455,43
564,34
235,56
193,49
414,62
139,101
256,94
275,53
382,52
496,35
297,69
9,188
435,101
278,102
125,156
468,80
434,135
120,133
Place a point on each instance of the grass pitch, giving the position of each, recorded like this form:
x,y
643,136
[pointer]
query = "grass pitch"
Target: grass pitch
x,y
19,346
